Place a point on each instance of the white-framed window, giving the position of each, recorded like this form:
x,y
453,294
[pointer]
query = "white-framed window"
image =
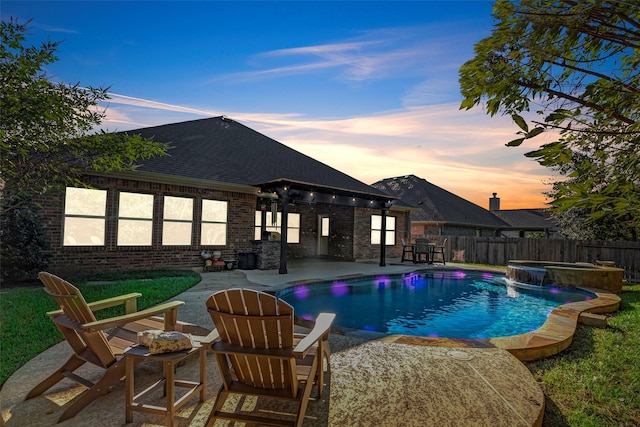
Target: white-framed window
x,y
135,219
293,226
177,224
214,222
376,230
84,217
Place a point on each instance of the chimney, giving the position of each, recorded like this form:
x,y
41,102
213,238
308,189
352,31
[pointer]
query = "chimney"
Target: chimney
x,y
494,203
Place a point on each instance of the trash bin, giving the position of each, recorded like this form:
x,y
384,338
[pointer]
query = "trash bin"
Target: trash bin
x,y
246,261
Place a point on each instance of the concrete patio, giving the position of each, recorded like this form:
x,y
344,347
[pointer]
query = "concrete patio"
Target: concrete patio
x,y
372,382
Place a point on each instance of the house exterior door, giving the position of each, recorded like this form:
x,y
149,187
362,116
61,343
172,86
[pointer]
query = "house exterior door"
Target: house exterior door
x,y
323,235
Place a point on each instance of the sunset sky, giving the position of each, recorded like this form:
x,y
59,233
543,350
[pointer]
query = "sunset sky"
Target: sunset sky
x,y
369,88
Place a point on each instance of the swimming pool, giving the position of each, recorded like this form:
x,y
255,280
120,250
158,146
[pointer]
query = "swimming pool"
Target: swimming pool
x,y
433,303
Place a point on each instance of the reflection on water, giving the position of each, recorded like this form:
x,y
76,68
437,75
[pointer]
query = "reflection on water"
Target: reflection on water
x,y
435,303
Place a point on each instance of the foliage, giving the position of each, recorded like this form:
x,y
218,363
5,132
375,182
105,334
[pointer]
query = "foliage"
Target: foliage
x,y
46,127
26,331
577,64
46,139
23,245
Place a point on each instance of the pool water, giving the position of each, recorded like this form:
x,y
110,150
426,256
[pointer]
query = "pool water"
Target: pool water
x,y
433,303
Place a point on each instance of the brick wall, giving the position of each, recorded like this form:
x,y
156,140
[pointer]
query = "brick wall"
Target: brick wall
x,y
362,248
308,232
350,231
85,259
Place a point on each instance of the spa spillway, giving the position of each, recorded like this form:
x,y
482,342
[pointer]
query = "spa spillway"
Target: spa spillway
x,y
582,275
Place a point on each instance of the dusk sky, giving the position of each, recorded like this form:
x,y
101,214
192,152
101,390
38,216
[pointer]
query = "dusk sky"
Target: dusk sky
x,y
369,88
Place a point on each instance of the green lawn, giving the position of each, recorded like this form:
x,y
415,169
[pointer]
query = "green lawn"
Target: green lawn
x,y
26,331
596,381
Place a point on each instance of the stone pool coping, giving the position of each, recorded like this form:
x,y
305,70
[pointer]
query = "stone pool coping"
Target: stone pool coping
x,y
554,336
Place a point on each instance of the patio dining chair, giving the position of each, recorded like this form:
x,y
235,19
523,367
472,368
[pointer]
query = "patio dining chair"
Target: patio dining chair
x,y
259,354
439,250
406,249
423,248
101,342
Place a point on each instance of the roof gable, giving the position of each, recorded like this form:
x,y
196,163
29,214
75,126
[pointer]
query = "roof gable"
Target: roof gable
x,y
437,204
219,149
529,219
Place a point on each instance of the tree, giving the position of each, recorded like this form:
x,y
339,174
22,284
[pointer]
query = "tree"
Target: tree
x,y
577,64
47,138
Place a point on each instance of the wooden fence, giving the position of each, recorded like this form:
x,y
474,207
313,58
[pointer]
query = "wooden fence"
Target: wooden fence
x,y
499,250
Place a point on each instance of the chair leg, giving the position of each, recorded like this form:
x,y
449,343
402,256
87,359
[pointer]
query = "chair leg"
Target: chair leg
x,y
71,365
220,399
325,353
114,374
306,393
441,253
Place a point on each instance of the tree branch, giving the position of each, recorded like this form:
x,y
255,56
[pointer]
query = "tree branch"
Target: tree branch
x,y
577,100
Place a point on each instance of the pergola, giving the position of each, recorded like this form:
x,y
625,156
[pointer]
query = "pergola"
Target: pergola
x,y
286,191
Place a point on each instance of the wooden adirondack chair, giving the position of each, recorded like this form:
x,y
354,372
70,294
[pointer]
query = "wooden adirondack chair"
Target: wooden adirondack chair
x,y
101,342
259,354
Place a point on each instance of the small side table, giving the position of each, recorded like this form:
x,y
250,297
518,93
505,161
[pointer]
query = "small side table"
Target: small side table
x,y
169,361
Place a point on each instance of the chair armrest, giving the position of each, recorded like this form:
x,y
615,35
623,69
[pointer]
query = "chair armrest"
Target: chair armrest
x,y
321,328
208,340
129,301
111,322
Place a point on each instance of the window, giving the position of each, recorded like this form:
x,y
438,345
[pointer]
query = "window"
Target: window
x,y
135,219
324,226
84,217
293,226
214,223
376,230
178,221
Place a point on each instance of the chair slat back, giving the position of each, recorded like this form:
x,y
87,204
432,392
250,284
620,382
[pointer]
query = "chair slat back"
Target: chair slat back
x,y
68,297
76,309
422,245
256,320
252,319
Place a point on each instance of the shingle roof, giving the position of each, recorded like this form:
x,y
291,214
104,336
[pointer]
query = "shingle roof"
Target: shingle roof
x,y
222,150
437,204
527,219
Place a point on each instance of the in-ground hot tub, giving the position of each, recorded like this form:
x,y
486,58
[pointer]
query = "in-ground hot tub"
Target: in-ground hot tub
x,y
582,275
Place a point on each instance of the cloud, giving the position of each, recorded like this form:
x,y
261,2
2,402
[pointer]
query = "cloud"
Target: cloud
x,y
146,103
373,55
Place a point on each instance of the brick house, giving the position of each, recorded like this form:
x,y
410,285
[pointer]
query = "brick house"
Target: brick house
x,y
440,212
222,188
